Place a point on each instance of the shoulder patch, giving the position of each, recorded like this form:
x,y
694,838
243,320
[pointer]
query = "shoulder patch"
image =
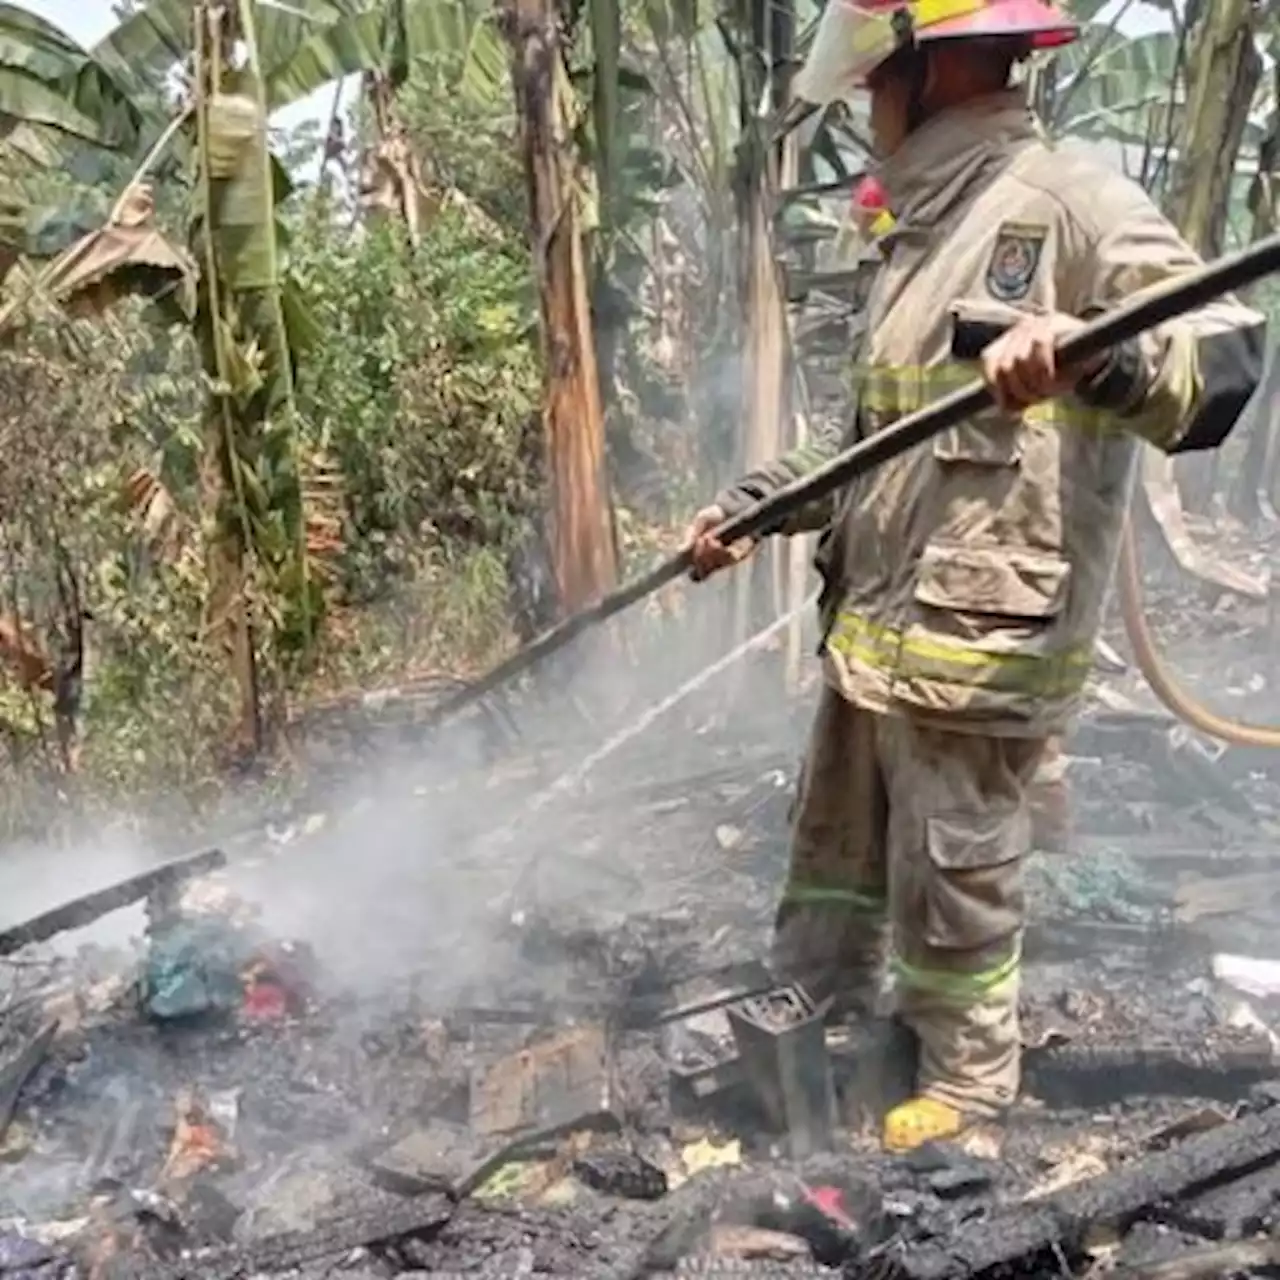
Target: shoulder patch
x,y
1015,260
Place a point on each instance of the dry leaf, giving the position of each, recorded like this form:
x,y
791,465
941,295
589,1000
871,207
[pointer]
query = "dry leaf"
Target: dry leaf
x,y
1199,1121
23,655
1072,1163
197,1143
705,1154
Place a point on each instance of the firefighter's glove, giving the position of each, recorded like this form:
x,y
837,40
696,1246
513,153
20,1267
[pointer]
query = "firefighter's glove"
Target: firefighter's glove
x,y
710,555
1021,367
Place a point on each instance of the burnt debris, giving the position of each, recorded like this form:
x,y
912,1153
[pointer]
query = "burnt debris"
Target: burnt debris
x,y
621,1090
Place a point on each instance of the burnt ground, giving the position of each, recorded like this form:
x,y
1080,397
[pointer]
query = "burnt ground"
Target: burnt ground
x,y
443,923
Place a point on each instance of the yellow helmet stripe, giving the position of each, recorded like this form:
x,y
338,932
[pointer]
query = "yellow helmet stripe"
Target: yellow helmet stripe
x,y
877,32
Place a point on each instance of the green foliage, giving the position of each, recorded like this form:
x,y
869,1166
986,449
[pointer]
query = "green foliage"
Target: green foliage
x,y
468,140
405,454
84,407
420,393
422,388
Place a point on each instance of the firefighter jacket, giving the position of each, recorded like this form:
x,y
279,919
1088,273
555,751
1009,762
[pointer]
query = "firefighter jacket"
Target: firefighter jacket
x,y
966,580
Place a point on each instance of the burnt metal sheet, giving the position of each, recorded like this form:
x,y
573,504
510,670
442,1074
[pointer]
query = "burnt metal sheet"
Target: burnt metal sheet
x,y
693,1085
449,1158
564,1081
702,1060
434,1158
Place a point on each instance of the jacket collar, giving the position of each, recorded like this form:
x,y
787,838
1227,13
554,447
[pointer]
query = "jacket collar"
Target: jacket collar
x,y
941,162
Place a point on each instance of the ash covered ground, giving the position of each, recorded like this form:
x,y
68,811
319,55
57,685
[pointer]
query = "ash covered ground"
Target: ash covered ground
x,y
449,1045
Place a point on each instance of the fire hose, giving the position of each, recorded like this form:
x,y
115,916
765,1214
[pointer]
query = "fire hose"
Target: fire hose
x,y
1155,670
1157,306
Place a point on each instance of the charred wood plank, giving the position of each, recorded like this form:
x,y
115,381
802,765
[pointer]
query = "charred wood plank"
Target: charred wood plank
x,y
1089,1073
92,906
1227,895
1233,1212
15,1073
1061,1221
386,1221
1208,1264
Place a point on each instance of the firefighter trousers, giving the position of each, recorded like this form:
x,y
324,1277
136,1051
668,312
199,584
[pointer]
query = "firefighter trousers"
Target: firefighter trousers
x,y
907,849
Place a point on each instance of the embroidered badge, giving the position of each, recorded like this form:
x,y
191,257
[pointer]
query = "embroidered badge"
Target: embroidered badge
x,y
1014,261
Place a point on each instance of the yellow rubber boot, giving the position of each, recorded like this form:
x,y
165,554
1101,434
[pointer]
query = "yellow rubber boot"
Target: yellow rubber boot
x,y
918,1121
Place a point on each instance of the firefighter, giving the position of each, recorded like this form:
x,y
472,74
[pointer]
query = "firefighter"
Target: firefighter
x,y
965,581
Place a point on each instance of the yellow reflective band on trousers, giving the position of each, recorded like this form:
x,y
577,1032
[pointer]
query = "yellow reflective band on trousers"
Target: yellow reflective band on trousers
x,y
901,389
870,904
958,988
905,656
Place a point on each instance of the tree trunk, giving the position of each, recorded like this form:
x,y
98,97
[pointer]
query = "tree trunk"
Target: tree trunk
x,y
227,619
764,400
391,175
1254,492
583,551
766,388
1223,70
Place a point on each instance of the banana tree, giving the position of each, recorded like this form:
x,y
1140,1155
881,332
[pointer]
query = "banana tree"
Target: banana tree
x,y
237,62
1224,67
253,326
251,476
52,94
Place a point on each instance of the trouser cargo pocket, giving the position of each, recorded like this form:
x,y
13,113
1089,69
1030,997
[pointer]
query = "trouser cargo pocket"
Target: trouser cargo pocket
x,y
973,895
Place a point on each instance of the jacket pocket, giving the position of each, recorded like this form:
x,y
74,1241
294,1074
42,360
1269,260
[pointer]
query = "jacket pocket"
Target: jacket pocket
x,y
1004,582
976,324
974,896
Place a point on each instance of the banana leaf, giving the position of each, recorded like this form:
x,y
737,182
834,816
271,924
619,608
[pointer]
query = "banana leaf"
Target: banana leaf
x,y
48,81
390,38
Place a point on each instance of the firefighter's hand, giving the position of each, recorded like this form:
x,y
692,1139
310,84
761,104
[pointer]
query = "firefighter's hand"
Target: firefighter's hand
x,y
1021,366
710,555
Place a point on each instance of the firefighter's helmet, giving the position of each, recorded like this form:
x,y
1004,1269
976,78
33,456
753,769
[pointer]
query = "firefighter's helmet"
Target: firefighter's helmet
x,y
854,37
